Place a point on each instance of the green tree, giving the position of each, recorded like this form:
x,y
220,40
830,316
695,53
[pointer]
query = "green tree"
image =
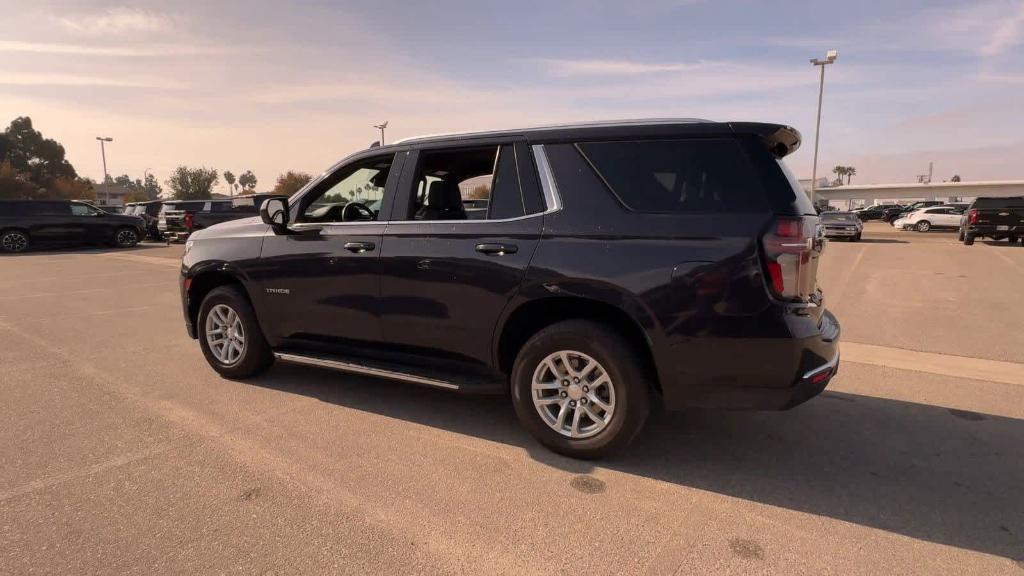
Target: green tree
x,y
955,178
151,187
229,177
39,160
247,181
192,183
850,173
291,182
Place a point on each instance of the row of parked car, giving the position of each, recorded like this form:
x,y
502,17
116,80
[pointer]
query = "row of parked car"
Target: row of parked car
x,y
27,223
995,218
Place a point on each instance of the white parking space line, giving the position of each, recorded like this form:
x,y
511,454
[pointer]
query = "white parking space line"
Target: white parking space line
x,y
942,364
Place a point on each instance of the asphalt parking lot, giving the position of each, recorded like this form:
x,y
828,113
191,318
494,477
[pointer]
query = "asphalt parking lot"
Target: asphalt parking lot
x,y
121,451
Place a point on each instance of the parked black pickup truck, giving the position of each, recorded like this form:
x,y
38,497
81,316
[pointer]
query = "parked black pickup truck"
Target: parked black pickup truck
x,y
995,218
25,223
180,218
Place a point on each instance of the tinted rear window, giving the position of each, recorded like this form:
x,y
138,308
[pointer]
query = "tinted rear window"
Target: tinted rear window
x,y
678,175
1014,202
193,206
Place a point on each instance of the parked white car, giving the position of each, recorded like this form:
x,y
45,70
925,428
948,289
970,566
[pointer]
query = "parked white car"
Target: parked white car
x,y
937,217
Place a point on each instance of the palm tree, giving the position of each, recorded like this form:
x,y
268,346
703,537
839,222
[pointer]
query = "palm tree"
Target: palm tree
x,y
850,173
839,171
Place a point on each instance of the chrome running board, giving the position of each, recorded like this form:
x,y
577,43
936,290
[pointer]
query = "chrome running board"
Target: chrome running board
x,y
364,369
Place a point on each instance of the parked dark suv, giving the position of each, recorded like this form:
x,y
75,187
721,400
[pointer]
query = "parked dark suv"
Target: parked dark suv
x,y
995,218
24,223
616,265
179,218
149,211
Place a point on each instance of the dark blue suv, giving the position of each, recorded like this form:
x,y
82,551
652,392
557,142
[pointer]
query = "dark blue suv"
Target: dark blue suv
x,y
589,271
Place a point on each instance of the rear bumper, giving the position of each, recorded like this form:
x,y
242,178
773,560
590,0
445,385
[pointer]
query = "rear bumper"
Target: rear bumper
x,y
840,233
755,374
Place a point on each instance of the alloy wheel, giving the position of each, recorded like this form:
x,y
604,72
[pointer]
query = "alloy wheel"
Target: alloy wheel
x,y
14,242
127,238
573,393
225,335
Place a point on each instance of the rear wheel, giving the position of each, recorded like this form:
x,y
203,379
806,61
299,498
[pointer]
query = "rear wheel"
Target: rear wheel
x,y
578,388
14,241
856,238
961,237
924,226
230,336
968,239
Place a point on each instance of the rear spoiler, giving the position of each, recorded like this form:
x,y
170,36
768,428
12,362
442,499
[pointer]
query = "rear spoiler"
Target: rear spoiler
x,y
779,139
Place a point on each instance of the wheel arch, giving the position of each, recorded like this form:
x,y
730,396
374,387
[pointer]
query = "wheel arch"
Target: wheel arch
x,y
203,281
532,316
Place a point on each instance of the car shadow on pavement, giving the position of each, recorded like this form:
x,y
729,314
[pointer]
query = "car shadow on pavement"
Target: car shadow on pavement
x,y
928,472
58,250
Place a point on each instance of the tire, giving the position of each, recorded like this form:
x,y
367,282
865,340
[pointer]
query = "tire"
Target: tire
x,y
923,226
1012,239
255,356
14,241
968,239
126,237
961,237
856,238
626,390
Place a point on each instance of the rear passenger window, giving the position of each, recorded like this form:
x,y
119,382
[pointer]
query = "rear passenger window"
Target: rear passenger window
x,y
678,175
467,184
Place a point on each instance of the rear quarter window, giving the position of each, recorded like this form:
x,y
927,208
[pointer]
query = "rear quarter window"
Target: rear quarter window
x,y
678,176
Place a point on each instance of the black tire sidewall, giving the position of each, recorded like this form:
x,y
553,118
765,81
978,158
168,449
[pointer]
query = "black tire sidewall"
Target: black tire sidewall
x,y
615,355
257,356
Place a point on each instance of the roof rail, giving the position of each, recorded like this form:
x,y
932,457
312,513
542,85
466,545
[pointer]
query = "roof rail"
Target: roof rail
x,y
591,124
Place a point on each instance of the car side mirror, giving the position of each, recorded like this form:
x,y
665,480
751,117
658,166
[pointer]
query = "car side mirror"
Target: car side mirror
x,y
274,212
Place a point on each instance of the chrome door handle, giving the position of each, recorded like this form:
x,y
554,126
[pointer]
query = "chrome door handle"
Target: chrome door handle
x,y
359,247
497,249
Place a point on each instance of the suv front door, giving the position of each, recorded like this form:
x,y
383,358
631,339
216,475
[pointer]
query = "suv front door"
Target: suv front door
x,y
321,282
465,225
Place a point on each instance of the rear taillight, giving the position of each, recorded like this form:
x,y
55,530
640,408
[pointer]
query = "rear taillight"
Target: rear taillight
x,y
188,221
972,216
788,247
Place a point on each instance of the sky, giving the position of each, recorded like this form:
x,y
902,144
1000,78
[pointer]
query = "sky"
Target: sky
x,y
274,86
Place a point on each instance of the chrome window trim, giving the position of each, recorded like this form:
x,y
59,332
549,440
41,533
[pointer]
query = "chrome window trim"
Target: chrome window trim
x,y
552,202
552,199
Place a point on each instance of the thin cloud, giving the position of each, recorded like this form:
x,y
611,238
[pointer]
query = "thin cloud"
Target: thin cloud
x,y
567,68
74,80
120,20
1007,34
148,50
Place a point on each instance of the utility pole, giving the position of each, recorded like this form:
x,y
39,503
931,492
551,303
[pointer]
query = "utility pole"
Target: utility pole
x,y
381,127
106,177
830,57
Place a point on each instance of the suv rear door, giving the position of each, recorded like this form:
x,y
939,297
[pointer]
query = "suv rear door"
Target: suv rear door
x,y
465,225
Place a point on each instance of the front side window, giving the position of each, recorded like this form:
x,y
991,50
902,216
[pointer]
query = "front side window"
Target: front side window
x,y
677,176
83,210
354,193
467,184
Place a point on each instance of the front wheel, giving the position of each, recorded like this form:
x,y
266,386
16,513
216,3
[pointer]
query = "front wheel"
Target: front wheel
x,y
14,241
126,237
578,388
924,226
230,336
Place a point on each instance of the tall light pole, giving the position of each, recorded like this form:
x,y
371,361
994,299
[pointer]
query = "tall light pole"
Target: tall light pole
x,y
381,127
103,152
830,57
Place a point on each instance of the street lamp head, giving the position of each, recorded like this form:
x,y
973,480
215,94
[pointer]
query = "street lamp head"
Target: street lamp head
x,y
381,126
831,55
102,139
